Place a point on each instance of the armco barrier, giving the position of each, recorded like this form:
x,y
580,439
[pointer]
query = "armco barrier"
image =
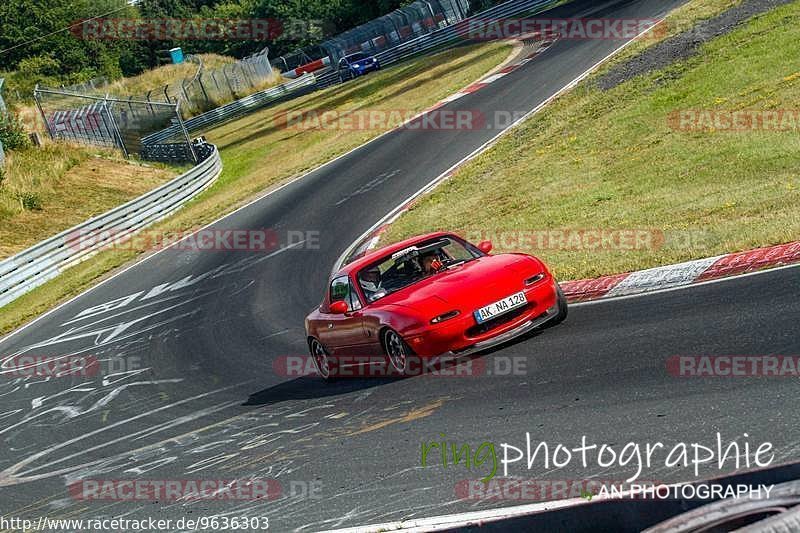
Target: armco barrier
x,y
45,260
447,36
438,39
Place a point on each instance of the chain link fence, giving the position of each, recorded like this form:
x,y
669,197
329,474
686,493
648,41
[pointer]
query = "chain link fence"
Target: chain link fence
x,y
3,111
115,123
206,89
211,88
86,113
418,18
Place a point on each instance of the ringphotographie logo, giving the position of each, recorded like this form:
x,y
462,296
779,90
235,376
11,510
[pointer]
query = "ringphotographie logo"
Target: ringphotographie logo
x,y
490,459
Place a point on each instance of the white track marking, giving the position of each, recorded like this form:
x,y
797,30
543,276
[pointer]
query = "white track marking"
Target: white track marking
x,y
663,277
682,287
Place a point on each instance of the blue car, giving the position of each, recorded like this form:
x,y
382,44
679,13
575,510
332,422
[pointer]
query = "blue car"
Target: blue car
x,y
357,64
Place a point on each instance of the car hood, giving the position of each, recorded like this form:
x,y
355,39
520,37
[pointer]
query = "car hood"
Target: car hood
x,y
468,286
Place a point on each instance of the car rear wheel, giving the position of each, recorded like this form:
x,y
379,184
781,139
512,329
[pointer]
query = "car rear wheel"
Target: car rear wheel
x,y
397,351
322,361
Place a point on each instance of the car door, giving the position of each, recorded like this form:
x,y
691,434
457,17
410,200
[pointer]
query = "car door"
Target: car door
x,y
344,334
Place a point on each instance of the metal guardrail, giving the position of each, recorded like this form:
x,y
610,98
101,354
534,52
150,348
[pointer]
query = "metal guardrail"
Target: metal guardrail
x,y
438,39
446,37
236,109
45,260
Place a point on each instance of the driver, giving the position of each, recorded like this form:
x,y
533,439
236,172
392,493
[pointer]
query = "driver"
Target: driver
x,y
370,280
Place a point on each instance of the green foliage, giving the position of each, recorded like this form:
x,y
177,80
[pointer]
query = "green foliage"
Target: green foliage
x,y
42,42
12,133
30,201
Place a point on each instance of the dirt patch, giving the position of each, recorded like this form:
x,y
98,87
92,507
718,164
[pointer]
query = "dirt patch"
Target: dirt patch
x,y
685,44
88,189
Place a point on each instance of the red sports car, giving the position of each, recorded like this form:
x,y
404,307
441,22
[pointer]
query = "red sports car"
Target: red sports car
x,y
429,296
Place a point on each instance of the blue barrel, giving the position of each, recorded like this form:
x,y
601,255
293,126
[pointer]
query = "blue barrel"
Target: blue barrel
x,y
177,55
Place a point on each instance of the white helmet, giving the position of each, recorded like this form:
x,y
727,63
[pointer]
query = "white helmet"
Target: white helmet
x,y
371,279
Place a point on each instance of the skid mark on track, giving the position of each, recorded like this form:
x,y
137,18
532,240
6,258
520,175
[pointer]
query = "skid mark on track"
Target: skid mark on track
x,y
414,414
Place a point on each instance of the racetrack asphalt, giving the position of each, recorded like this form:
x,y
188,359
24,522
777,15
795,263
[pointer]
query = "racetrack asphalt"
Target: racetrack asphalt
x,y
188,340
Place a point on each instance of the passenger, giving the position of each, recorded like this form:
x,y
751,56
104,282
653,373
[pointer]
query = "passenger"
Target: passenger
x,y
430,263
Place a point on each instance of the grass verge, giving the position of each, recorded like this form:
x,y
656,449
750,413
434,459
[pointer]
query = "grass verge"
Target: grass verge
x,y
258,154
615,160
49,189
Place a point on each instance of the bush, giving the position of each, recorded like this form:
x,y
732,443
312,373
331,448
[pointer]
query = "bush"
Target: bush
x,y
30,201
12,132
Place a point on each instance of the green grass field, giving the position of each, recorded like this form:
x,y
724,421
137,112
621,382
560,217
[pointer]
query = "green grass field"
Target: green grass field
x,y
615,160
258,155
49,189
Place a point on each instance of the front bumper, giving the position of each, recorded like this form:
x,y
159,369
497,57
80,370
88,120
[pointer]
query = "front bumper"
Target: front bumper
x,y
367,68
460,336
512,334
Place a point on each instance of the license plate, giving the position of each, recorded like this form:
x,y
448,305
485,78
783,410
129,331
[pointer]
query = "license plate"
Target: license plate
x,y
499,307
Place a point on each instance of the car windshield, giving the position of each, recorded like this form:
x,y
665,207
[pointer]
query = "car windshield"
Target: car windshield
x,y
413,264
356,57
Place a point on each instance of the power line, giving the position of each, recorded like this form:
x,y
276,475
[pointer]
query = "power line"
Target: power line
x,y
129,3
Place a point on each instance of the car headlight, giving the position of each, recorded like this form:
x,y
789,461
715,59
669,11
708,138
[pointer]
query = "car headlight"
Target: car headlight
x,y
355,65
445,316
534,279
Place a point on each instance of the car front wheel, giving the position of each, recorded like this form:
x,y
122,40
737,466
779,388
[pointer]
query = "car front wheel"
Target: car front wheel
x,y
397,351
562,308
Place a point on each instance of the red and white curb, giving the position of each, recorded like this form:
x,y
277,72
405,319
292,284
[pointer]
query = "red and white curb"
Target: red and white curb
x,y
652,279
670,276
540,47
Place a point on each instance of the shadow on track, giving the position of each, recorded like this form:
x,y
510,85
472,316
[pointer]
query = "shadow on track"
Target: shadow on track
x,y
306,388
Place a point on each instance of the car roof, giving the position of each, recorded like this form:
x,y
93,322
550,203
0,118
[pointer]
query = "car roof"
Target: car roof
x,y
374,255
357,54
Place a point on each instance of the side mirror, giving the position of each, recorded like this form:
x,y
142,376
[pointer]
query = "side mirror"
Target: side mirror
x,y
485,246
339,307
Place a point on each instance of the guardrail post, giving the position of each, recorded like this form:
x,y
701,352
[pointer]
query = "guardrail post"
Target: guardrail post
x,y
41,111
185,132
116,131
